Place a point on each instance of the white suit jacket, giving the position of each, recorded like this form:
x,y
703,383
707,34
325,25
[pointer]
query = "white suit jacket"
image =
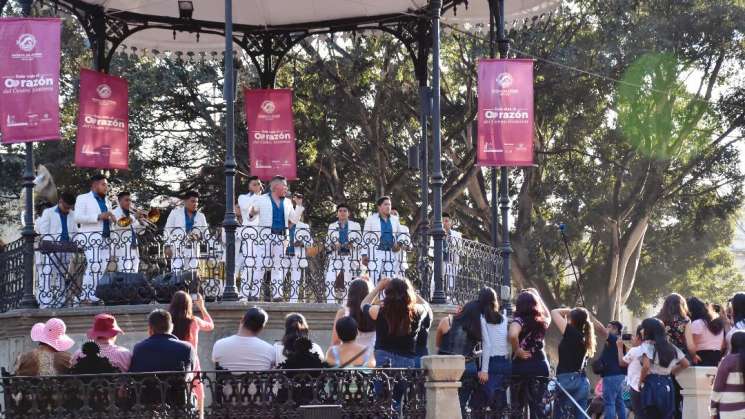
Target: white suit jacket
x,y
176,224
263,204
353,228
87,212
303,234
372,230
49,225
245,202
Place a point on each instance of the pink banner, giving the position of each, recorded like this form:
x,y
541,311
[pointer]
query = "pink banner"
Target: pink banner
x,y
505,122
271,133
103,122
29,73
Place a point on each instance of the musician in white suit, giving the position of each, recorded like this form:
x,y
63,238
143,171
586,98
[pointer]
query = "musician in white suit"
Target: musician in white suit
x,y
184,230
299,239
274,212
95,219
125,240
343,235
248,232
450,256
380,235
56,224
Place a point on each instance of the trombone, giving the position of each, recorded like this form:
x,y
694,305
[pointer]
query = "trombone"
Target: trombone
x,y
151,217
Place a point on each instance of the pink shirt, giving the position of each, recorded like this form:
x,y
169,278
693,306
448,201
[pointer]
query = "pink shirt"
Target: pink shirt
x,y
704,339
119,356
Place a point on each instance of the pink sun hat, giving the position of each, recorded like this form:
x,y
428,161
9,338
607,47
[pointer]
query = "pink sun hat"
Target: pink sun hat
x,y
53,334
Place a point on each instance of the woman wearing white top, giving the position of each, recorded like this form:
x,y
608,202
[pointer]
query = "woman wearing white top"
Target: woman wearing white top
x,y
633,360
495,361
295,326
348,351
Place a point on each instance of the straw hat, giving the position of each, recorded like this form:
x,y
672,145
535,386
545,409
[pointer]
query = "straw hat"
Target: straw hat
x,y
53,334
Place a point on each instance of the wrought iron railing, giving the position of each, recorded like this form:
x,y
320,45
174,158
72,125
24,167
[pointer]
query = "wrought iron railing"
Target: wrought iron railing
x,y
146,265
348,393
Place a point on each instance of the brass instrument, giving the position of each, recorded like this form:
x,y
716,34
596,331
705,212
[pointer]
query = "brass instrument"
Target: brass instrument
x,y
151,217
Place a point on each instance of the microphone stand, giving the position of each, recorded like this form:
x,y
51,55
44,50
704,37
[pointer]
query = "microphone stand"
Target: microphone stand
x,y
577,277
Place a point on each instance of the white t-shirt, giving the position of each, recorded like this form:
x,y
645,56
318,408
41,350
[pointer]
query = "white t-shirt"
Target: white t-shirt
x,y
649,350
634,373
280,357
243,353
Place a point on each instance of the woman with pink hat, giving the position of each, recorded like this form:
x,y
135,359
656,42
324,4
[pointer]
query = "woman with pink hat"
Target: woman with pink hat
x,y
51,356
104,332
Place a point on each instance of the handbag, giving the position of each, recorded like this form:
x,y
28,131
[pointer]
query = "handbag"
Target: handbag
x,y
598,365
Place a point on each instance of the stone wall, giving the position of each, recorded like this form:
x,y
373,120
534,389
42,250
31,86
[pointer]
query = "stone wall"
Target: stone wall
x,y
15,326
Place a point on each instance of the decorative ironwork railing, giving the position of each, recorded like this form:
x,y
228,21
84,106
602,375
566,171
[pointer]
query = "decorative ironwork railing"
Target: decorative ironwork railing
x,y
348,393
301,265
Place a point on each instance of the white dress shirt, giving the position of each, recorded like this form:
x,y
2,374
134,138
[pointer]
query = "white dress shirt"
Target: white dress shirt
x,y
87,212
245,202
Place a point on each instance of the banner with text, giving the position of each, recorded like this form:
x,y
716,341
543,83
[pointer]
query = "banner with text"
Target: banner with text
x,y
29,73
103,122
271,133
505,120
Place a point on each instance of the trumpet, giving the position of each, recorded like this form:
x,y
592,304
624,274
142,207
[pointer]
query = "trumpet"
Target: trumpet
x,y
151,217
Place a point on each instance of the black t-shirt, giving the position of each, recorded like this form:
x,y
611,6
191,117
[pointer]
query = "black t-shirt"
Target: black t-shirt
x,y
400,345
571,351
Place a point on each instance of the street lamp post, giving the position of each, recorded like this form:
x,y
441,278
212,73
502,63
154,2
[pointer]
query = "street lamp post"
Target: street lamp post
x,y
230,223
438,232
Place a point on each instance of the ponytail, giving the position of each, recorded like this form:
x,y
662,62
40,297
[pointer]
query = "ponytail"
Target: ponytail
x,y
589,335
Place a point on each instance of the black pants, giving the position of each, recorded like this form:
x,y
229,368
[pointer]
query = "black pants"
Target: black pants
x,y
636,404
709,358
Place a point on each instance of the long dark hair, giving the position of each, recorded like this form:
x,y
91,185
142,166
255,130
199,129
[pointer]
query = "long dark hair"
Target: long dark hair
x,y
358,290
469,318
700,311
674,308
654,330
182,315
738,347
399,308
579,319
738,307
490,306
526,308
295,327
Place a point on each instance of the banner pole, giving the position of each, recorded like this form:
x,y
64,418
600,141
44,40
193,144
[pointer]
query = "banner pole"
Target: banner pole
x,y
28,233
438,232
230,223
504,193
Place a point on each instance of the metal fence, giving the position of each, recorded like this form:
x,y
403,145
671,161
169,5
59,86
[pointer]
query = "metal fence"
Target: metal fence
x,y
332,393
301,265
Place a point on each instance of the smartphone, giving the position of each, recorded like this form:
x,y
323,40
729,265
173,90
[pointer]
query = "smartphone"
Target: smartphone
x,y
195,297
626,336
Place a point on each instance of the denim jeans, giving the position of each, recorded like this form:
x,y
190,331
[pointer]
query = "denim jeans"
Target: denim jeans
x,y
467,393
613,397
578,387
396,361
495,390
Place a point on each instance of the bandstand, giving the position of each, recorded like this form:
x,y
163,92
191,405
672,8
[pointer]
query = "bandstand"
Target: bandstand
x,y
264,31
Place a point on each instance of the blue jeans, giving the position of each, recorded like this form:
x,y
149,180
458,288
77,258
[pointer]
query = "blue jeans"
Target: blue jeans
x,y
529,386
613,397
467,393
495,390
396,361
578,387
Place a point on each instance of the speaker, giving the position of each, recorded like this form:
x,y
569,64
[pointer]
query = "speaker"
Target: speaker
x,y
168,283
117,288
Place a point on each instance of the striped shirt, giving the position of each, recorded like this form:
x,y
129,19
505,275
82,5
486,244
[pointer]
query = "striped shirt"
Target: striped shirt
x,y
728,393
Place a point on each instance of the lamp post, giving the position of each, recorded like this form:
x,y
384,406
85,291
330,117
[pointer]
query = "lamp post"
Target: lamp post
x,y
438,232
230,224
28,300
